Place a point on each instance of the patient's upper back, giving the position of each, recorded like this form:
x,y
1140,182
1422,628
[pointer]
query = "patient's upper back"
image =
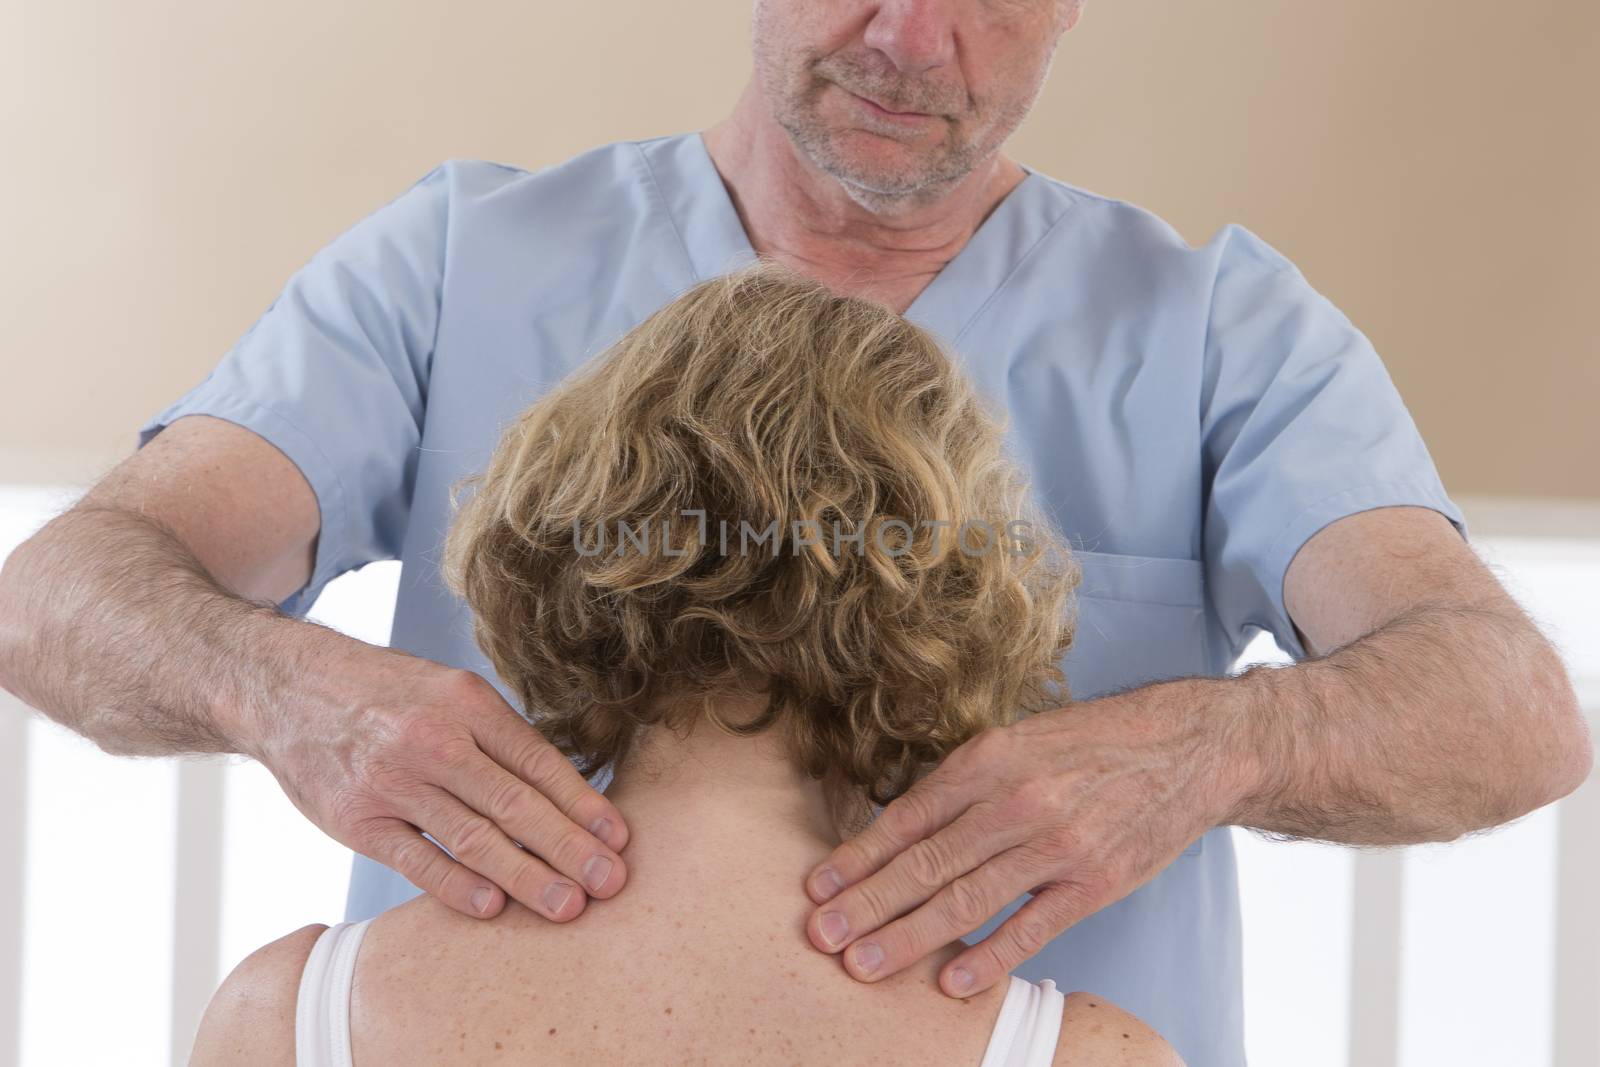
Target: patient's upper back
x,y
628,983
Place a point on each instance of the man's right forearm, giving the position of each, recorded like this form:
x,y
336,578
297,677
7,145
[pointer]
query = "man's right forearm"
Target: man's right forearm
x,y
110,625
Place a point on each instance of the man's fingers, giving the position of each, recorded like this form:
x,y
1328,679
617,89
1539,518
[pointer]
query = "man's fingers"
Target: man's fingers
x,y
929,805
1019,938
482,847
396,843
519,748
915,876
525,815
959,906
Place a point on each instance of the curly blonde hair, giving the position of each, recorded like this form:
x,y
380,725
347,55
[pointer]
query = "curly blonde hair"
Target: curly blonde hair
x,y
759,397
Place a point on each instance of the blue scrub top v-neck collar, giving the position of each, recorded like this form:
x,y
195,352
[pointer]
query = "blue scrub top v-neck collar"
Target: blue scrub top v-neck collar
x,y
715,240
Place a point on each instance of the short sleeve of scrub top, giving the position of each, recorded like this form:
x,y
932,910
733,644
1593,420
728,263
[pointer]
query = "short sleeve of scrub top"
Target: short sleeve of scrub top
x,y
1300,425
334,374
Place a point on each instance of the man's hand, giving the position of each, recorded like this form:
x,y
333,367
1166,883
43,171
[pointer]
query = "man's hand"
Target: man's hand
x,y
1079,806
392,745
144,618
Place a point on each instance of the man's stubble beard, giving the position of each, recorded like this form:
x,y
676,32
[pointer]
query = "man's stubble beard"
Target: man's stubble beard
x,y
900,190
881,189
913,184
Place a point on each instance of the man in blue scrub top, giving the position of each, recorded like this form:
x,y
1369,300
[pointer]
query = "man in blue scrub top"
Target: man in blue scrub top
x,y
1221,444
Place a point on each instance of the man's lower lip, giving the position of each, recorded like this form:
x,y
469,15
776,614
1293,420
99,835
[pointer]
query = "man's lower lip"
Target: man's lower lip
x,y
891,114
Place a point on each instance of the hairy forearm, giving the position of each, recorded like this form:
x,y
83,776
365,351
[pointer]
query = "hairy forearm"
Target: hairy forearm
x,y
112,627
1447,720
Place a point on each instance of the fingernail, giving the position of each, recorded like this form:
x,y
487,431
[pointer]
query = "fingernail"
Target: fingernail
x,y
835,928
828,883
480,899
960,980
595,872
600,828
557,895
868,956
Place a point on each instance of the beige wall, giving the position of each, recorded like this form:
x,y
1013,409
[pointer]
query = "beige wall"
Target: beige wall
x,y
1431,165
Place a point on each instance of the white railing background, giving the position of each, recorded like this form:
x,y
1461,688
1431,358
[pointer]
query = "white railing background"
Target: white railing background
x,y
130,887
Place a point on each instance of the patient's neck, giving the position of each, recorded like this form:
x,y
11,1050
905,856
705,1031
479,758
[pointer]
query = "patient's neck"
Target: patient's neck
x,y
720,810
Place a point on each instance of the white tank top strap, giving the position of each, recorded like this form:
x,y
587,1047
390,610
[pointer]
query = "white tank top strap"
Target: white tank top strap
x,y
322,1009
1029,1026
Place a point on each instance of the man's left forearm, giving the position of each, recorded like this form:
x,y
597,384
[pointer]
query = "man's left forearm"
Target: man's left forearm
x,y
1449,719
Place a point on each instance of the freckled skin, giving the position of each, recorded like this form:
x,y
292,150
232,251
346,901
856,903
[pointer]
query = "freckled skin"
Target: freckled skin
x,y
417,952
583,970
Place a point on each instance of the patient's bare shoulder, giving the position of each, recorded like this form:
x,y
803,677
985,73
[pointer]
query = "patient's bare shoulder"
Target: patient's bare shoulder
x,y
251,1016
1097,1033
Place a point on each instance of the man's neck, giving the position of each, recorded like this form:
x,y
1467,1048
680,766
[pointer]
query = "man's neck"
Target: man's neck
x,y
796,213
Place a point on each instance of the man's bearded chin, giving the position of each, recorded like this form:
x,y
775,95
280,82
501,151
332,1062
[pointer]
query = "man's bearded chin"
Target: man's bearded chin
x,y
895,181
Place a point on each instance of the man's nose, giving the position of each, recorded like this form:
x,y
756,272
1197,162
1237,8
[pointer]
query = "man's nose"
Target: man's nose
x,y
916,35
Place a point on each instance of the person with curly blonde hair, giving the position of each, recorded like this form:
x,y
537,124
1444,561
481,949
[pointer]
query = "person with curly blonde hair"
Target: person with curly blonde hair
x,y
768,561
766,482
